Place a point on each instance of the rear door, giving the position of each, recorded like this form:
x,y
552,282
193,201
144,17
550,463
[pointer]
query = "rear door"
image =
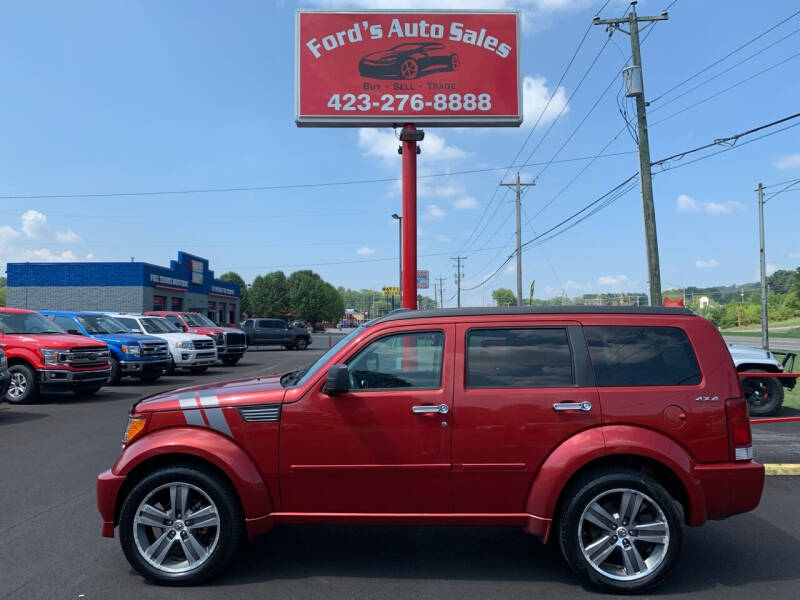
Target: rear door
x,y
522,387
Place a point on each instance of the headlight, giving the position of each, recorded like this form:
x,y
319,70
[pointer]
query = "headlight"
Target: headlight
x,y
132,350
219,339
54,357
185,345
135,427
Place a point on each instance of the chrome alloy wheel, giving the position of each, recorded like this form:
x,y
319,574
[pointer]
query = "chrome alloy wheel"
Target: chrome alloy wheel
x,y
176,527
17,386
623,534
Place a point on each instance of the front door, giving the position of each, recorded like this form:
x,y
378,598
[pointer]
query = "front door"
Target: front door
x,y
384,446
518,393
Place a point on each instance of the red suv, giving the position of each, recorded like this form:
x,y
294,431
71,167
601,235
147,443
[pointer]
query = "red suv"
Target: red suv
x,y
606,429
231,342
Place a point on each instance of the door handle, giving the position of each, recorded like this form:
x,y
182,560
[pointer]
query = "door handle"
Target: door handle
x,y
441,409
584,406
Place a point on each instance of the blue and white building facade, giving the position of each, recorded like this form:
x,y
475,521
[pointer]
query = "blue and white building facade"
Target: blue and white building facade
x,y
186,285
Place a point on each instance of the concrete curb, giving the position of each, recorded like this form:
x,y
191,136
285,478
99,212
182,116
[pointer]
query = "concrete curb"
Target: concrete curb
x,y
782,469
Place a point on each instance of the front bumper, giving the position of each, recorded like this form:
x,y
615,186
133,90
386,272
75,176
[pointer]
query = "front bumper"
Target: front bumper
x,y
135,367
194,358
69,377
231,351
730,488
108,486
5,379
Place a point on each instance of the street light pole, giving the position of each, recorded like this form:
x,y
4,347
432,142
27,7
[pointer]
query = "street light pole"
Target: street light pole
x,y
399,220
763,269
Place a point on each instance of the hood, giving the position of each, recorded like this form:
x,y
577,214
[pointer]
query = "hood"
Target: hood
x,y
237,392
740,353
57,342
178,337
207,330
124,338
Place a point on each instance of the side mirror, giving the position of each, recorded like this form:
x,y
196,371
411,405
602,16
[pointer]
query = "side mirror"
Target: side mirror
x,y
338,380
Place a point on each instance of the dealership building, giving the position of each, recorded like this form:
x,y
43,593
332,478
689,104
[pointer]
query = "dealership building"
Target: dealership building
x,y
186,285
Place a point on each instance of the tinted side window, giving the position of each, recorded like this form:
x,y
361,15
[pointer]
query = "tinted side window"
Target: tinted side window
x,y
409,360
640,356
247,323
175,321
65,322
518,358
262,324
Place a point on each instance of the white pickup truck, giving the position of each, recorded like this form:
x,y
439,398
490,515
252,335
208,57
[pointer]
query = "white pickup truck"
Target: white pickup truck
x,y
764,394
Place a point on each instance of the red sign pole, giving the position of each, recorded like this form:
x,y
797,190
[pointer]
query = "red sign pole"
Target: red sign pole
x,y
409,136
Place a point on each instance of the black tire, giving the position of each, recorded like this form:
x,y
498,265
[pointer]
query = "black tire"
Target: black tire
x,y
230,530
606,485
198,370
151,378
22,376
115,375
764,394
231,361
301,343
87,390
170,370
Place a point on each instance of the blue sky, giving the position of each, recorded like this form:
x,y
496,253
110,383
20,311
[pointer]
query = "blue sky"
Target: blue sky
x,y
121,96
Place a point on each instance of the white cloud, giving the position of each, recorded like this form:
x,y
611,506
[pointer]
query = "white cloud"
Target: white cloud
x,y
771,268
711,263
365,250
67,236
465,203
383,144
794,254
612,279
47,255
7,234
34,223
433,211
442,238
790,161
535,94
573,285
686,203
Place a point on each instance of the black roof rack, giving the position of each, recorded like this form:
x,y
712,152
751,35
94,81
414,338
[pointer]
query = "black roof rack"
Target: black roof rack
x,y
535,310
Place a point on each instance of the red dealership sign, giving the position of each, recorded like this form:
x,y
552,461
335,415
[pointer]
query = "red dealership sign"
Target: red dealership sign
x,y
376,68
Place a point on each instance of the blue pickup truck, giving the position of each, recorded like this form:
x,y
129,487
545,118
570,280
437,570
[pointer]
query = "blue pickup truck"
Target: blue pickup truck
x,y
132,354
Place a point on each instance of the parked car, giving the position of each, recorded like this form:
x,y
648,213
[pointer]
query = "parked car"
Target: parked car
x,y
132,354
764,394
605,428
187,350
41,355
231,342
5,376
274,332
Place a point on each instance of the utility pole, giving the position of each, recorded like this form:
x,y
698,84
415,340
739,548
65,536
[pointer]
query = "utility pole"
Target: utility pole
x,y
518,189
441,291
635,87
459,274
764,327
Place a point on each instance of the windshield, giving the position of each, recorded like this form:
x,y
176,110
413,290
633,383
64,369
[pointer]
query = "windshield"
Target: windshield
x,y
158,325
198,320
101,324
28,323
320,362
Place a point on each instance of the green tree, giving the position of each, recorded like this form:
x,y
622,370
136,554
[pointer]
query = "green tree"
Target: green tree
x,y
425,303
244,299
313,299
782,280
269,295
504,297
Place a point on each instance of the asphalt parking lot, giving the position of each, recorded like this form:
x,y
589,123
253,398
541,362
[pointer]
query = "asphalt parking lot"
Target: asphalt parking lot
x,y
50,544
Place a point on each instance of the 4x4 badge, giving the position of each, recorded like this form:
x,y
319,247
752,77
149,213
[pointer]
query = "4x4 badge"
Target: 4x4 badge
x,y
707,399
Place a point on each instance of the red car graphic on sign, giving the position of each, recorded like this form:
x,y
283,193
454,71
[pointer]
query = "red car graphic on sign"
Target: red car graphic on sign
x,y
408,61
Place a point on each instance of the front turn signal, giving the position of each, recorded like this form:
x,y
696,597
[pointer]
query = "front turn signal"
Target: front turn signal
x,y
134,428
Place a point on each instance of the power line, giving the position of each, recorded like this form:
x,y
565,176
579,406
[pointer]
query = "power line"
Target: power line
x,y
718,61
786,188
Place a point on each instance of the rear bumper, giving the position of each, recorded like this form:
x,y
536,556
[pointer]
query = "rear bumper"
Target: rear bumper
x,y
108,486
66,377
730,488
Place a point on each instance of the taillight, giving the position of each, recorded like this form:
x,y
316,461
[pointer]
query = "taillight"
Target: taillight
x,y
739,435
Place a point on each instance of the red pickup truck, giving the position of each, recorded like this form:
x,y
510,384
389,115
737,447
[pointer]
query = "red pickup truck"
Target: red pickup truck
x,y
607,429
42,355
231,342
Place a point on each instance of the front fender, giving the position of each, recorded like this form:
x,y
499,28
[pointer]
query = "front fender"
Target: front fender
x,y
209,446
33,358
603,442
